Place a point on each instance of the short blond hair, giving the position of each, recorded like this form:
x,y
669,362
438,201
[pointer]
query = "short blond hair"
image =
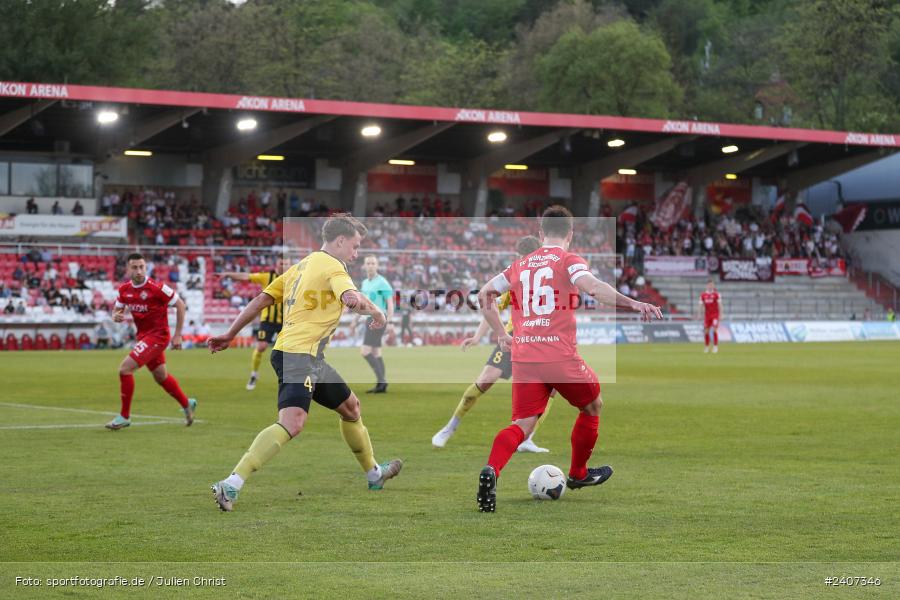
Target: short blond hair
x,y
342,224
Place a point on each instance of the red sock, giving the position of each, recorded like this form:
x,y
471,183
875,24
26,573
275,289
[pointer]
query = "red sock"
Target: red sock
x,y
504,447
584,436
174,390
126,387
715,338
706,338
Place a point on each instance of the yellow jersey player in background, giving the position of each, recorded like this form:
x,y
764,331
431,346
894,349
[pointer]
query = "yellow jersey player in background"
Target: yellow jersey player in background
x,y
314,292
498,366
269,319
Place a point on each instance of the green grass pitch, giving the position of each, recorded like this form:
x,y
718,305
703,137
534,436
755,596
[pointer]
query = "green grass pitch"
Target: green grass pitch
x,y
754,473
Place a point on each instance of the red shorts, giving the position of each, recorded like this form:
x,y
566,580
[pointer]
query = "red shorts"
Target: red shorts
x,y
711,322
533,383
149,351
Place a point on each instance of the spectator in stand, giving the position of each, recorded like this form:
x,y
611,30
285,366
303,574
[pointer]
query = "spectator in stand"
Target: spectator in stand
x,y
102,336
78,209
56,209
9,308
20,308
31,207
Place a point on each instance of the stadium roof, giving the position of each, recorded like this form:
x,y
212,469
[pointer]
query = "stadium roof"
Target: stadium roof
x,y
36,117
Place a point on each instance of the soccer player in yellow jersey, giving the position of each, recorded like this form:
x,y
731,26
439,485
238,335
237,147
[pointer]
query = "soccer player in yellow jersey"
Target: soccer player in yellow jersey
x,y
314,292
269,319
498,366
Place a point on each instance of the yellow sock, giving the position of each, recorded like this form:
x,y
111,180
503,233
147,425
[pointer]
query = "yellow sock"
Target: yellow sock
x,y
262,450
543,416
469,398
255,359
357,437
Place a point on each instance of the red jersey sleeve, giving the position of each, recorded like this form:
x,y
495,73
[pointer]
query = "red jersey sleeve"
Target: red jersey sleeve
x,y
576,267
167,295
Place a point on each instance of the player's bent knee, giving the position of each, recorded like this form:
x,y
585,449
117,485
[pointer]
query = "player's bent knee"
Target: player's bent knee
x,y
349,409
593,409
292,421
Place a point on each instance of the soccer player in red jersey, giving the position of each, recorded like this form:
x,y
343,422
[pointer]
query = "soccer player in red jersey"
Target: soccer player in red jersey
x,y
545,289
149,302
711,301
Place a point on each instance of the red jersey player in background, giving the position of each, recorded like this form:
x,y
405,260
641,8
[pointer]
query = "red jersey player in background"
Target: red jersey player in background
x,y
711,301
149,302
545,289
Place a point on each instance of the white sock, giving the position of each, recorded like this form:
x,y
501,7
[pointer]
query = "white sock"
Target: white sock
x,y
373,474
529,439
235,481
453,423
252,373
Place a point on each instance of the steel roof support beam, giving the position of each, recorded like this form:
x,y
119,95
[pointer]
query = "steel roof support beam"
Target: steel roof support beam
x,y
129,138
586,185
219,161
475,172
705,174
804,178
14,118
355,168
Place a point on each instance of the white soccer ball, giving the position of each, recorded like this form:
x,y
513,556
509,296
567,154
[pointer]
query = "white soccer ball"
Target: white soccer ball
x,y
547,483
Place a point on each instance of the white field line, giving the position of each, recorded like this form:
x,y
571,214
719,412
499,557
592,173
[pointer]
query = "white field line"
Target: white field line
x,y
82,425
97,412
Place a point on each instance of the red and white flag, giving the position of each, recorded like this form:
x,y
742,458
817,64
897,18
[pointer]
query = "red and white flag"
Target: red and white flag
x,y
629,215
672,207
777,209
802,215
850,217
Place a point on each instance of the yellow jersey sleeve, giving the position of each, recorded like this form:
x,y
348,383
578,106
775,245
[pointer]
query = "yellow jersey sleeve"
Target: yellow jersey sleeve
x,y
503,302
259,278
340,281
276,289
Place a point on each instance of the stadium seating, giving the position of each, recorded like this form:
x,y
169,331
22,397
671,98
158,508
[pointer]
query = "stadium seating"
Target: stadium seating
x,y
55,342
787,298
11,342
27,342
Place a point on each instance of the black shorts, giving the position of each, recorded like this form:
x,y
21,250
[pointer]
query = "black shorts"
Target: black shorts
x,y
303,378
500,360
372,337
268,332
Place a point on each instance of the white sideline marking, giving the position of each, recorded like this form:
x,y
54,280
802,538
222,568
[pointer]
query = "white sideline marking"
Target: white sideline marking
x,y
81,425
159,419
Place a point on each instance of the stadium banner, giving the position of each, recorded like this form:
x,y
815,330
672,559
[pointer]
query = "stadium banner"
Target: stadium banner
x,y
881,215
403,179
832,267
633,333
666,332
530,182
672,207
824,331
880,330
748,332
102,94
597,333
694,332
297,172
746,269
724,194
634,188
791,266
683,266
63,226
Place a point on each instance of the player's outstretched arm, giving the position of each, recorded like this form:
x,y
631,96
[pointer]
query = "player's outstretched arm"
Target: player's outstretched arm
x,y
487,300
118,314
360,305
474,339
180,309
234,275
607,294
221,342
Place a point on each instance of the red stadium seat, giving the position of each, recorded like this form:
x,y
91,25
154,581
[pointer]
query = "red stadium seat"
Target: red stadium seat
x,y
55,342
84,342
2,345
11,342
27,342
40,342
71,343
